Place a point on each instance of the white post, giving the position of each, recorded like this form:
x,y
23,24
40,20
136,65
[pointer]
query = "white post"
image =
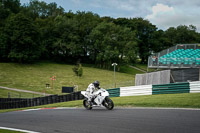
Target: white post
x,y
114,64
199,74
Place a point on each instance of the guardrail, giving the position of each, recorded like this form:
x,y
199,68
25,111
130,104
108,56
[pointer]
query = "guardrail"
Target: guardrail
x,y
184,87
136,90
115,92
195,87
9,103
171,88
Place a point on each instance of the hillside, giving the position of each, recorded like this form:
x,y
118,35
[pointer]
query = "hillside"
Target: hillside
x,y
35,76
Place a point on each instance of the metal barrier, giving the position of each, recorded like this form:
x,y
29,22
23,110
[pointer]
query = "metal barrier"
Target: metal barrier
x,y
195,87
136,90
171,88
184,87
9,103
115,92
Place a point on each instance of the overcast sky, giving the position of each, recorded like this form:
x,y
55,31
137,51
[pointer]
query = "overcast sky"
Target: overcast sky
x,y
162,13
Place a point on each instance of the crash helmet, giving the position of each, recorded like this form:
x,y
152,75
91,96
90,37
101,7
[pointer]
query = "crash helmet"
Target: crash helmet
x,y
96,84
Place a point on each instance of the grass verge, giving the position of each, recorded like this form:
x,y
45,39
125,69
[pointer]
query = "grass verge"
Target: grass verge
x,y
15,94
35,76
185,100
9,131
129,70
144,67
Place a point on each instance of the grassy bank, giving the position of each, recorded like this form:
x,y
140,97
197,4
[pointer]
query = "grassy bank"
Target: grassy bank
x,y
35,76
15,94
9,131
186,100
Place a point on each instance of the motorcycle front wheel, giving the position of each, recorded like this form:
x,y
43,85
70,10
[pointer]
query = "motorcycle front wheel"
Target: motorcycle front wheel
x,y
86,104
108,103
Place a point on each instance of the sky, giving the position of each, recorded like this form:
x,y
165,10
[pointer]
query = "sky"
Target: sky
x,y
162,13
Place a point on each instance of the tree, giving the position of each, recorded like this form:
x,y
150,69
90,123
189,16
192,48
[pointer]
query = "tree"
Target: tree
x,y
186,34
46,28
40,9
182,34
7,7
144,31
159,41
4,49
171,35
11,5
4,13
71,33
66,39
85,23
53,10
112,43
23,39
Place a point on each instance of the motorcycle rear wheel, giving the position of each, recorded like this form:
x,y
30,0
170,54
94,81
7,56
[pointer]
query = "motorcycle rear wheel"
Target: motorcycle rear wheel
x,y
86,104
108,103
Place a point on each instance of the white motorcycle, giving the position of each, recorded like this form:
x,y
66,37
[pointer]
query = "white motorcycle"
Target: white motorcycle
x,y
101,100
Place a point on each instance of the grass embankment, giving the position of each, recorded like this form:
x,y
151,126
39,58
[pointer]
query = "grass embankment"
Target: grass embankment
x,y
9,131
184,100
15,94
144,67
127,69
35,76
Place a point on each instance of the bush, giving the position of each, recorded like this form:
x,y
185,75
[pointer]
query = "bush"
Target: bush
x,y
78,70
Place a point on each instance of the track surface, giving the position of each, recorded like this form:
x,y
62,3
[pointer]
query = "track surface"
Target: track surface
x,y
142,120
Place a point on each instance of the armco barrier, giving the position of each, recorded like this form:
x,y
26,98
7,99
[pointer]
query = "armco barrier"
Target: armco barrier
x,y
195,87
186,87
136,90
10,99
8,103
114,92
171,88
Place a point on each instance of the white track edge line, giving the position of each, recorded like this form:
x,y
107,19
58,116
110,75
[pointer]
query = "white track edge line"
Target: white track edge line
x,y
21,130
161,108
152,108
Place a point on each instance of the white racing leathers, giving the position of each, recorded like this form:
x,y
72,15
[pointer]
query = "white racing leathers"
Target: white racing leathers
x,y
90,91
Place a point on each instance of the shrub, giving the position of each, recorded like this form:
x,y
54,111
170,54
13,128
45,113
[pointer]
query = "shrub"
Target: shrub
x,y
78,70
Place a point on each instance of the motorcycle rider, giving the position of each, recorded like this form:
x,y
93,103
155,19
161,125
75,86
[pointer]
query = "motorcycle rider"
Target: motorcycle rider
x,y
93,87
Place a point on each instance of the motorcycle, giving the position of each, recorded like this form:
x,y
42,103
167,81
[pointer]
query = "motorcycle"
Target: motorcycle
x,y
101,100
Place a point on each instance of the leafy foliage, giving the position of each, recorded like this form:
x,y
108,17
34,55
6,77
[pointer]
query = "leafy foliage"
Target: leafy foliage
x,y
22,39
42,31
78,70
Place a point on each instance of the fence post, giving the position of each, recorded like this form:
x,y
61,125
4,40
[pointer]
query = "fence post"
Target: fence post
x,y
8,94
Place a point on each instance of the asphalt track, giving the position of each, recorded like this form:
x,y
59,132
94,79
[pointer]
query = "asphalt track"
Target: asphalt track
x,y
119,120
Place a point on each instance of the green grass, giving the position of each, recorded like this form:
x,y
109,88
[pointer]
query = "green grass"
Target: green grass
x,y
15,94
9,131
129,70
34,77
184,100
144,67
